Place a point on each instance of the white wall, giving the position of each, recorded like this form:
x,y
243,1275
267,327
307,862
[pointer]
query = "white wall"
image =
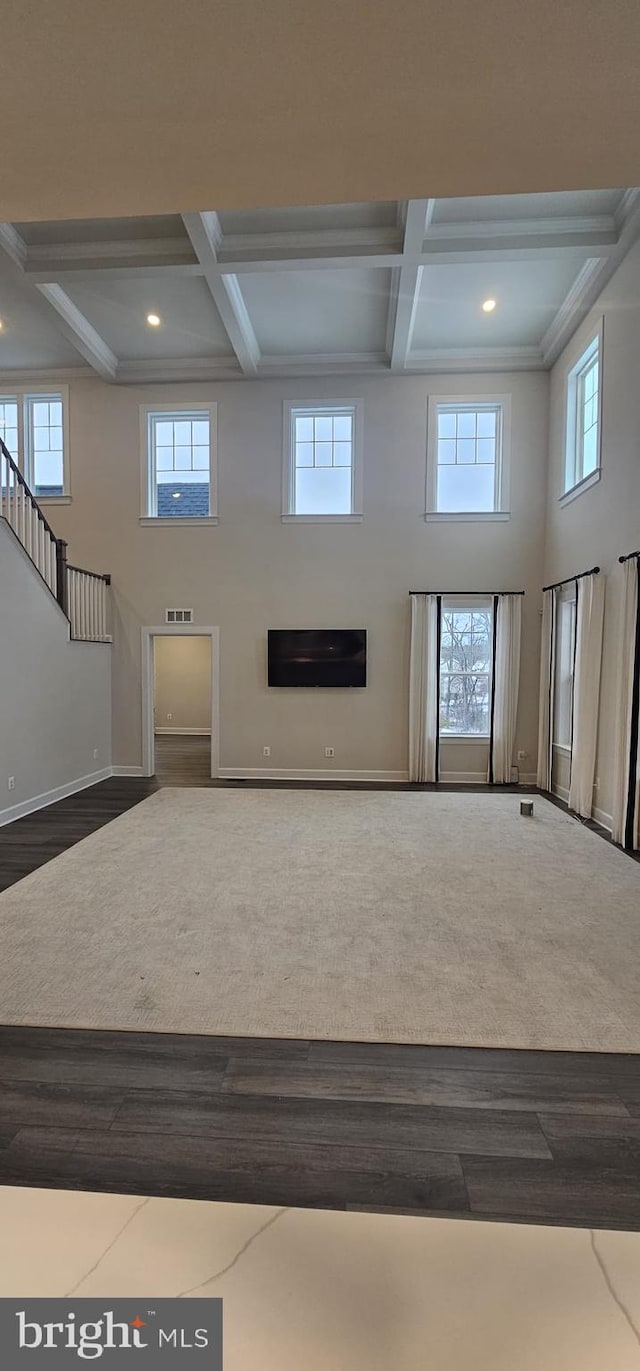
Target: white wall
x,y
55,694
182,683
604,522
252,571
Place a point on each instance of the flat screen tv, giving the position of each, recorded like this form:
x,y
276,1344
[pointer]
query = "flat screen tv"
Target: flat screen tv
x,y
334,657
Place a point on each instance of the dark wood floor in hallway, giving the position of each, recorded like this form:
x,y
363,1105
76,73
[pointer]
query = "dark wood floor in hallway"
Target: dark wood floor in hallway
x,y
533,1137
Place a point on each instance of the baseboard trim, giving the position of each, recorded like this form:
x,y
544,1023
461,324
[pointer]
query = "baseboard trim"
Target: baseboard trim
x,y
49,797
187,732
263,773
126,771
602,818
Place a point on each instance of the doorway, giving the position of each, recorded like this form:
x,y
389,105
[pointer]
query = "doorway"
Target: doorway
x,y
180,704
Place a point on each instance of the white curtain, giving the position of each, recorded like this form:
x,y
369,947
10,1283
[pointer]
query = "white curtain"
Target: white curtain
x,y
626,802
424,689
586,692
506,684
547,675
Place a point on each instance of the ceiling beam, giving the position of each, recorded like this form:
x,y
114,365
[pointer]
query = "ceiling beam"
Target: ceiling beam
x,y
80,332
205,234
405,289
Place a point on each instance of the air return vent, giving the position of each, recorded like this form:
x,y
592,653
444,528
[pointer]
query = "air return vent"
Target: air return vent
x,y
178,616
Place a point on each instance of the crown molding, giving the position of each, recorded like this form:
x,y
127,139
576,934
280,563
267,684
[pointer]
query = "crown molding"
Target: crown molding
x,y
591,281
45,375
323,364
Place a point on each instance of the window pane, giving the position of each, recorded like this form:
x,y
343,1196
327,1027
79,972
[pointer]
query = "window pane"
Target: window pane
x,y
201,432
164,459
466,450
323,428
304,454
183,458
342,427
48,473
304,428
201,458
9,426
324,454
486,423
183,431
183,499
466,424
40,412
323,490
486,450
342,454
447,451
564,673
164,434
55,413
465,489
446,425
590,452
464,703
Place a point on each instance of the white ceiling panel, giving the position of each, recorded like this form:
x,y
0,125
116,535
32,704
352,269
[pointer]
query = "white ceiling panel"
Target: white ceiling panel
x,y
30,338
101,230
310,218
557,204
527,294
117,309
318,311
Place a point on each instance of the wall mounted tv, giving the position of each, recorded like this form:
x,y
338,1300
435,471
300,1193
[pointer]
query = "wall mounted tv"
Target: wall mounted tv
x,y
334,657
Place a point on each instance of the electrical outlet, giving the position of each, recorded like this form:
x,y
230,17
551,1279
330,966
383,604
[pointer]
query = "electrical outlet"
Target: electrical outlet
x,y
169,717
266,751
95,754
11,782
329,752
522,756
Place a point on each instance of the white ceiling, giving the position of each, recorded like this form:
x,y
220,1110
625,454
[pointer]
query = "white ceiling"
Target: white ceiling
x,y
378,287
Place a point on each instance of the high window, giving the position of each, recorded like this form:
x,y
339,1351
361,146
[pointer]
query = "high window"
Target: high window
x,y
323,475
466,459
179,465
465,670
33,428
583,418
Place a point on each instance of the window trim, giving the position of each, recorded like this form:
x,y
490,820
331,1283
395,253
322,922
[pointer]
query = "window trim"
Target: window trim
x,y
23,394
290,409
502,512
147,473
462,604
572,485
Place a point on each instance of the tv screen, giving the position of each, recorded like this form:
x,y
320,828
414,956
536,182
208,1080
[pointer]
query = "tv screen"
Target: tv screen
x,y
317,657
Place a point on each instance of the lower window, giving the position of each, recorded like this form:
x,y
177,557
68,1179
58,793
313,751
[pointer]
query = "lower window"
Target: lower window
x,y
180,472
465,670
565,653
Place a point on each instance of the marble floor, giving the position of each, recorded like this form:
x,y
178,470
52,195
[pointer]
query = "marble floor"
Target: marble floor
x,y
342,1291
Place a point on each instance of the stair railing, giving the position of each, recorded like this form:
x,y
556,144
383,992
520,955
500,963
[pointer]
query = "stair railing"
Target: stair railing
x,y
82,595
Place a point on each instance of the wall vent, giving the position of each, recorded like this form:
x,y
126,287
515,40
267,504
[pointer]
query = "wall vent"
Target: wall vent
x,y
178,616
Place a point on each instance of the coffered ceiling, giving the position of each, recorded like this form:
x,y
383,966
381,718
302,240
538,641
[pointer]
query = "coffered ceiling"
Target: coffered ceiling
x,y
394,287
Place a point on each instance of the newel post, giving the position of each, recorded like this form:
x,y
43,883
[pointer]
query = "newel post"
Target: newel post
x,y
62,595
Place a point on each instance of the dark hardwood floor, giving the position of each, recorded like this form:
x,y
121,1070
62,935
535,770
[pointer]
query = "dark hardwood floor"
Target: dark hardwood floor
x,y
533,1137
525,1136
182,759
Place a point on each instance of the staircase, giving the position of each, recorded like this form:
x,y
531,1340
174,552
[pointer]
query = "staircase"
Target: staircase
x,y
82,595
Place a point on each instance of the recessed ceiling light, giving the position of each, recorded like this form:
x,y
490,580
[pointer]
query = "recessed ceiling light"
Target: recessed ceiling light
x,y
153,320
488,306
1,325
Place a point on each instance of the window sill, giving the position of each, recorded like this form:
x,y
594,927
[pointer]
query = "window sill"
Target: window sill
x,y
480,517
465,738
321,518
53,499
152,521
589,481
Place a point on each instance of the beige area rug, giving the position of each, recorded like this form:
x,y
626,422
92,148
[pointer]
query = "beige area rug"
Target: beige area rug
x,y
396,917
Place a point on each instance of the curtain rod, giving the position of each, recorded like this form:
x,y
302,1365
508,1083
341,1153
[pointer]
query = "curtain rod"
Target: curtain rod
x,y
593,571
483,594
629,556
